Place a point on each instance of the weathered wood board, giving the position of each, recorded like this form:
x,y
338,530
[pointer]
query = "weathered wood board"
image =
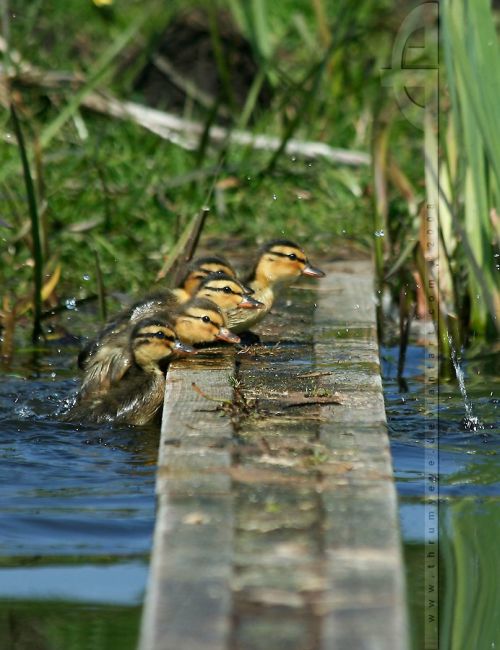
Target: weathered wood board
x,y
188,601
279,529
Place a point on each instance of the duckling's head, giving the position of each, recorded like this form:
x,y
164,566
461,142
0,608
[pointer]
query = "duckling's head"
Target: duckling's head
x,y
202,321
153,342
227,292
280,263
200,268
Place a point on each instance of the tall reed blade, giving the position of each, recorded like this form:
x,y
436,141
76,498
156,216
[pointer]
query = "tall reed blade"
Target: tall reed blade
x,y
35,228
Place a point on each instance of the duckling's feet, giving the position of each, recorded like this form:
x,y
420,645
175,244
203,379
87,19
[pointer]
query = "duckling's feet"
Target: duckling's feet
x,y
249,338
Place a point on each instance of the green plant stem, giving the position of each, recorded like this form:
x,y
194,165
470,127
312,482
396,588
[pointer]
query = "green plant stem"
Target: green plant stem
x,y
35,228
380,143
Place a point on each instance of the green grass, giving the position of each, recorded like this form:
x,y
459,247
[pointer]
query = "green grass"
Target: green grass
x,y
119,190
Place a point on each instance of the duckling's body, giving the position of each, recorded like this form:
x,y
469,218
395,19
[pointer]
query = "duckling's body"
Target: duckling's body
x,y
137,397
107,358
239,321
279,264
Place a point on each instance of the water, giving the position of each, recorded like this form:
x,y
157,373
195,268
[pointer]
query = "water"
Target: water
x,y
469,494
470,421
77,508
76,515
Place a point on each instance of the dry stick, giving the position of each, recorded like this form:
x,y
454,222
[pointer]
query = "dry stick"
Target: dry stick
x,y
186,133
101,292
191,244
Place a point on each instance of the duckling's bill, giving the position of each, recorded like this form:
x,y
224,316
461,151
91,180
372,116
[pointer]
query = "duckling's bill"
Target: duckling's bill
x,y
181,348
313,271
226,335
250,303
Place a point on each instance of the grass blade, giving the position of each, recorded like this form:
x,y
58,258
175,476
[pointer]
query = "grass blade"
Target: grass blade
x,y
35,228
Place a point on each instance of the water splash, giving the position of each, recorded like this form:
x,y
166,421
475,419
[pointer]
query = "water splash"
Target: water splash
x,y
470,421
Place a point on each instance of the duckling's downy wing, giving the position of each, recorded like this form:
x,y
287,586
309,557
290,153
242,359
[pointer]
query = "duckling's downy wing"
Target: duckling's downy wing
x,y
136,400
105,368
153,303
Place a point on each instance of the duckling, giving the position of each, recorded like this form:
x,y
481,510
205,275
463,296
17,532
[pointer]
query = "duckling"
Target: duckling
x,y
223,290
198,269
138,397
279,264
227,292
107,358
201,321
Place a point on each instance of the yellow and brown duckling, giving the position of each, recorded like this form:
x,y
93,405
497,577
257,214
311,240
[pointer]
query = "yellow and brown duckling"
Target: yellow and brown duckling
x,y
202,321
279,264
197,270
137,398
225,291
107,358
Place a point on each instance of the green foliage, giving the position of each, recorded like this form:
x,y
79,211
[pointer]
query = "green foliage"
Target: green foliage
x,y
473,171
114,188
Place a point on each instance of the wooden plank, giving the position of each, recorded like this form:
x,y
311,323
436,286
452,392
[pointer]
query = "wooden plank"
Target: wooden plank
x,y
188,603
285,535
366,602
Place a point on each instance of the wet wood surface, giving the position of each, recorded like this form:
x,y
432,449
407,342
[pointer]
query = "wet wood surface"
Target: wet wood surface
x,y
277,523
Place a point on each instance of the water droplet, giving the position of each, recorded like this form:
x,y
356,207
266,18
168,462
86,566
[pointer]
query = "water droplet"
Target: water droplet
x,y
275,198
86,277
70,303
379,233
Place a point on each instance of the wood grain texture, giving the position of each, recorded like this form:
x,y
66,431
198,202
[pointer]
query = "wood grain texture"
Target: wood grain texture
x,y
188,601
365,607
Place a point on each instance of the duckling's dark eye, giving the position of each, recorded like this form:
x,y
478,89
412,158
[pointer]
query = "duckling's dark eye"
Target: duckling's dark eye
x,y
227,289
292,256
159,335
206,319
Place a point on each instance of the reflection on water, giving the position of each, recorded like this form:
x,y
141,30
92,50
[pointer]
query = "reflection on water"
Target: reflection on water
x,y
469,497
76,515
55,625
